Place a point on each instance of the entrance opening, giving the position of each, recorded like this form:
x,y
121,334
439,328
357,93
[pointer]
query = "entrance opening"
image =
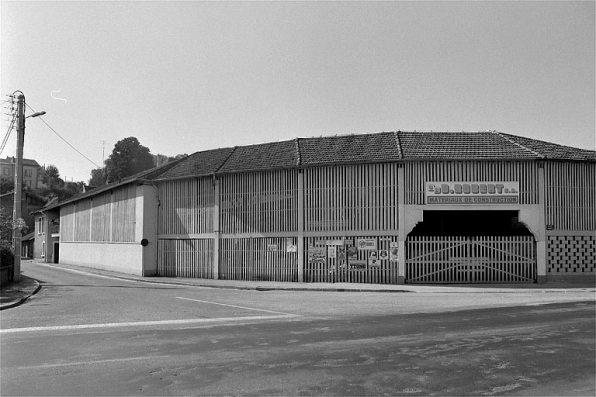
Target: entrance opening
x,y
470,247
471,223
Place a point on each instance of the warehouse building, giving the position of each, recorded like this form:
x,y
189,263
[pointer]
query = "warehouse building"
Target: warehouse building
x,y
390,207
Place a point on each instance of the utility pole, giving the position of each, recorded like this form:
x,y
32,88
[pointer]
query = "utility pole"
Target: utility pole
x,y
18,188
17,220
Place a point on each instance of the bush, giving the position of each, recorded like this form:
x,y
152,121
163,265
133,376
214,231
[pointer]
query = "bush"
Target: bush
x,y
6,253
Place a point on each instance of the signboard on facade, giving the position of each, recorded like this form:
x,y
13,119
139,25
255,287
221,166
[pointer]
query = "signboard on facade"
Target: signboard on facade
x,y
471,193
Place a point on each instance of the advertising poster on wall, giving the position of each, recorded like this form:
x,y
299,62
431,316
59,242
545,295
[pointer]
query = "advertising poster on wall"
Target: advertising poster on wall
x,y
383,255
357,265
317,255
394,254
366,243
341,257
332,252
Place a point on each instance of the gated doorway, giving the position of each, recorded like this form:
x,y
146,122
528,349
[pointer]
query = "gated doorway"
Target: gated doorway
x,y
494,248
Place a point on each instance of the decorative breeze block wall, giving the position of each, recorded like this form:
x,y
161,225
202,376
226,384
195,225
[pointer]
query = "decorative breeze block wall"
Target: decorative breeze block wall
x,y
568,255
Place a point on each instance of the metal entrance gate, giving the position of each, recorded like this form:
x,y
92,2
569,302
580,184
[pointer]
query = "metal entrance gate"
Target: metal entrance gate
x,y
481,259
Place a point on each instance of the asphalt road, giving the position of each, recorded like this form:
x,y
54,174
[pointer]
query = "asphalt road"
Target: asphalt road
x,y
90,335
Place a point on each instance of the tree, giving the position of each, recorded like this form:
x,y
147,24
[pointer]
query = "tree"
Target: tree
x,y
54,186
98,177
6,185
129,157
50,176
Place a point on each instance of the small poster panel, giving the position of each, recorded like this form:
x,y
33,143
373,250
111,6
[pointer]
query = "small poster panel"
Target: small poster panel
x,y
366,243
341,257
352,253
394,244
317,254
374,262
357,265
383,255
394,254
331,252
271,247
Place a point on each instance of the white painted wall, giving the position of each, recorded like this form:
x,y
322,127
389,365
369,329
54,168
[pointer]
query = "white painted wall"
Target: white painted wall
x,y
117,257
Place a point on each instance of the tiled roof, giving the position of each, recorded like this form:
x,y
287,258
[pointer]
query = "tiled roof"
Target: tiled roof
x,y
263,156
552,151
354,149
198,164
152,173
460,145
349,149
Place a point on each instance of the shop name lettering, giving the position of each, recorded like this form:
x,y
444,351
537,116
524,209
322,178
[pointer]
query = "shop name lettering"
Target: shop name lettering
x,y
473,193
471,188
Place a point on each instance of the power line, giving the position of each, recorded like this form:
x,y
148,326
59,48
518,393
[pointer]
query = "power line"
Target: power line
x,y
5,140
54,131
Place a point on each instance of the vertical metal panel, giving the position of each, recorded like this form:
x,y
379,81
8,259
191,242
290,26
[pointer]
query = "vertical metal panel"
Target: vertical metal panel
x,y
419,172
265,258
191,258
186,206
100,219
351,197
264,202
67,222
570,195
123,214
82,220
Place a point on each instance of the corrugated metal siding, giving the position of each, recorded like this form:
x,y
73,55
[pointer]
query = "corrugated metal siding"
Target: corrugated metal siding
x,y
123,214
82,220
259,202
265,258
186,206
67,216
570,195
351,197
191,258
100,217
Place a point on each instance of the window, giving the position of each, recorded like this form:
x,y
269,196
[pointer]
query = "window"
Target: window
x,y
6,171
40,228
29,173
43,249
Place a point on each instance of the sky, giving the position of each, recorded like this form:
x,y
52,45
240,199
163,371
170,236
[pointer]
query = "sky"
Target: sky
x,y
188,76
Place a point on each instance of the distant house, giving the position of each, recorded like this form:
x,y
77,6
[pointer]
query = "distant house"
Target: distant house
x,y
29,203
47,233
30,171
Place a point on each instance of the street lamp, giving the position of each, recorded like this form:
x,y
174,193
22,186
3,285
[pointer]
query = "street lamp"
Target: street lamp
x,y
18,184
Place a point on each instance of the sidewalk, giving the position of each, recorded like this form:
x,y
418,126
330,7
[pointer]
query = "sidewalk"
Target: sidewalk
x,y
19,293
16,294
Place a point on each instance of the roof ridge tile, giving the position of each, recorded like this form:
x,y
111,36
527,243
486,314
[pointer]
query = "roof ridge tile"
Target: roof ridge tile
x,y
519,144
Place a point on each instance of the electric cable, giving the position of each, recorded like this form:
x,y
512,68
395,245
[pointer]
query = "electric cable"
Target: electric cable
x,y
54,131
5,140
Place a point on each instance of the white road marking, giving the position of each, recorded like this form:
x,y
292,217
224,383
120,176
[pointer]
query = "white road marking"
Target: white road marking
x,y
141,323
238,307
